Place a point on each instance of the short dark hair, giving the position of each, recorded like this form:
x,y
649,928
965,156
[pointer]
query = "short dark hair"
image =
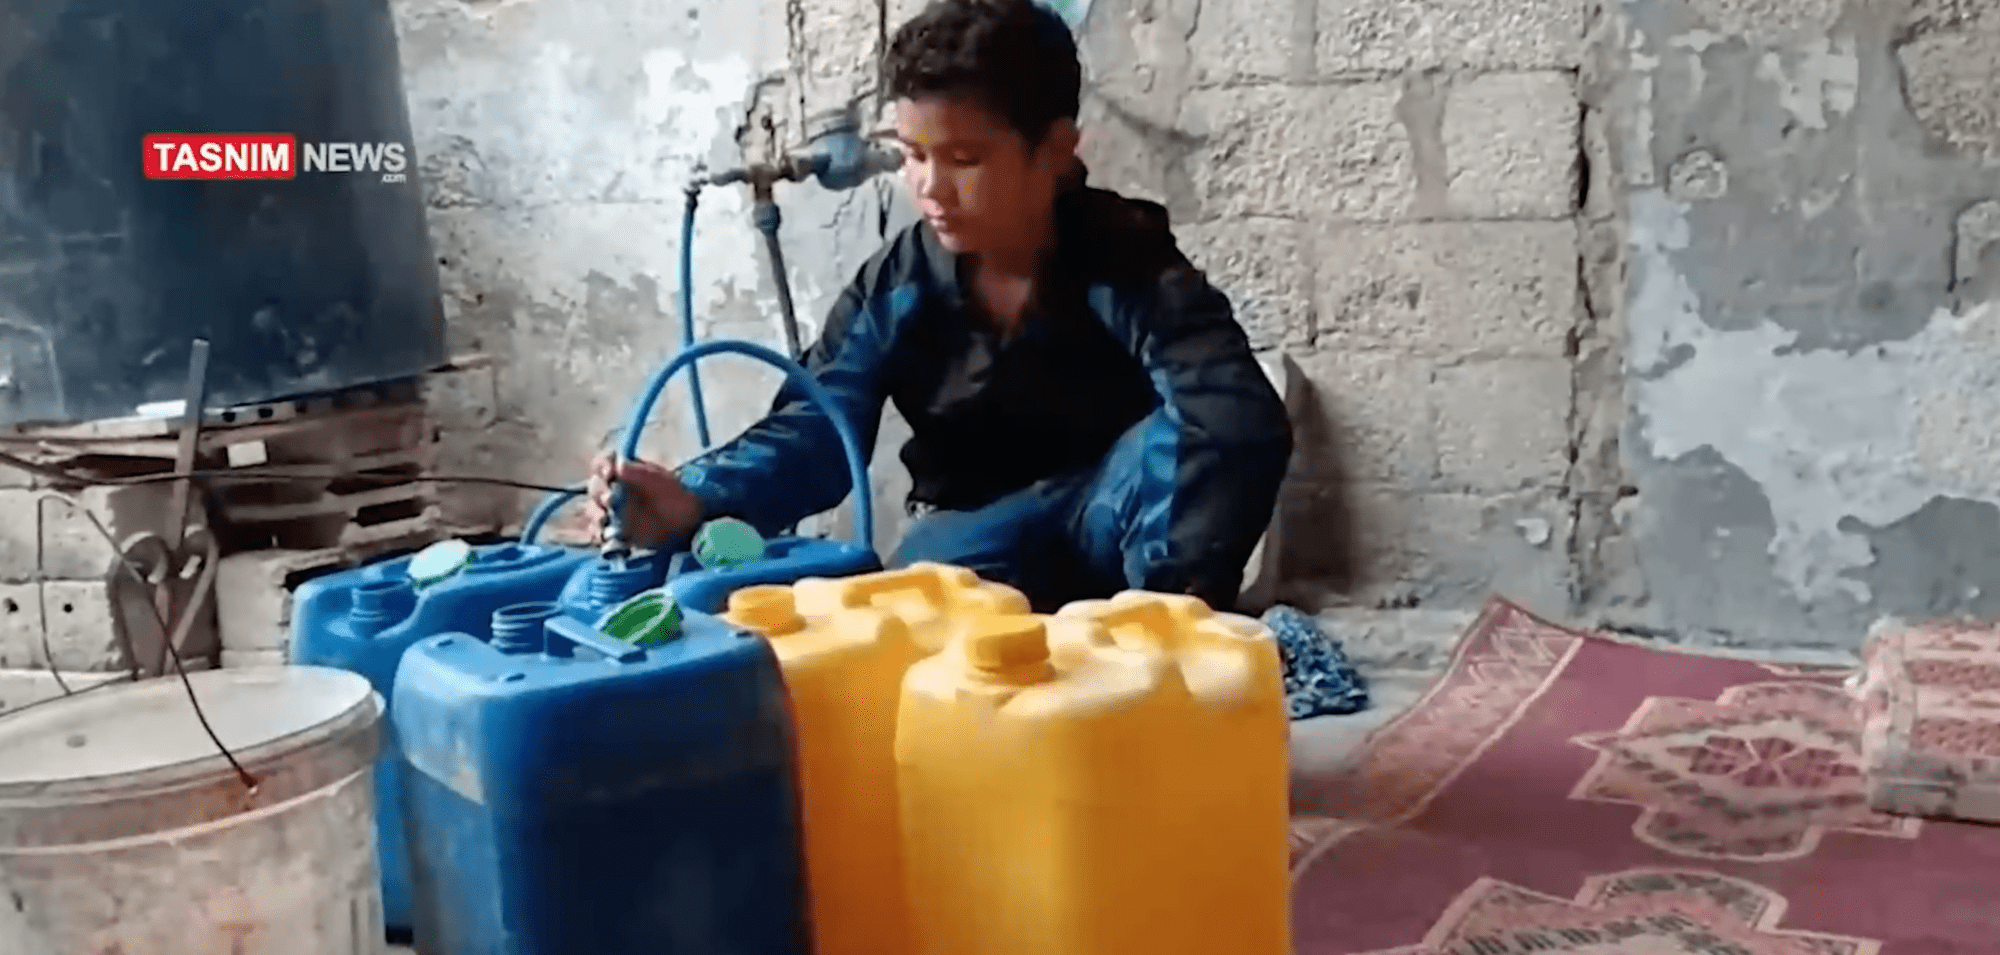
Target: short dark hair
x,y
1014,57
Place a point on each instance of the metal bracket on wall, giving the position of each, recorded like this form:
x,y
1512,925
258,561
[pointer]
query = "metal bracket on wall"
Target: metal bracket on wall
x,y
165,597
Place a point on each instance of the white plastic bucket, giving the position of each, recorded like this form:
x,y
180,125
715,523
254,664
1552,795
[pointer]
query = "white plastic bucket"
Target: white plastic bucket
x,y
123,831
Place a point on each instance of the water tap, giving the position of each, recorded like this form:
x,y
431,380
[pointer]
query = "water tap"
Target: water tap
x,y
836,155
615,548
839,156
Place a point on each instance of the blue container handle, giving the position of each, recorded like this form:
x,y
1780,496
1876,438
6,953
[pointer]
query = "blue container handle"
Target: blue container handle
x,y
857,468
586,636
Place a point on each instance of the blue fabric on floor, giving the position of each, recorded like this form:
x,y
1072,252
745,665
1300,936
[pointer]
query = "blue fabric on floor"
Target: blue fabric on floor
x,y
1318,679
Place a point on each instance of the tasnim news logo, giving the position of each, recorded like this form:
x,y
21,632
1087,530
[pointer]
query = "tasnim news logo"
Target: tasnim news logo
x,y
265,156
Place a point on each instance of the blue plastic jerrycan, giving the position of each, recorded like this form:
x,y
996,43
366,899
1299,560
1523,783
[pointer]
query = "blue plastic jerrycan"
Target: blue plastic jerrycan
x,y
602,583
570,792
786,560
362,620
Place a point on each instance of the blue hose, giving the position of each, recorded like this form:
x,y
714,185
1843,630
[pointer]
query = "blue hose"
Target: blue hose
x,y
857,470
687,313
531,531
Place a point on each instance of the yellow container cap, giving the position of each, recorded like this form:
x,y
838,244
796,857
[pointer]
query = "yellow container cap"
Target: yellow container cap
x,y
767,607
1006,641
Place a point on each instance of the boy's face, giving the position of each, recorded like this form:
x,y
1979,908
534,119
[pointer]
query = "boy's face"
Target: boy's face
x,y
976,180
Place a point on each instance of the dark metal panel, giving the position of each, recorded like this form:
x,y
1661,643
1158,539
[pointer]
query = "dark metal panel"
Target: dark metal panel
x,y
304,285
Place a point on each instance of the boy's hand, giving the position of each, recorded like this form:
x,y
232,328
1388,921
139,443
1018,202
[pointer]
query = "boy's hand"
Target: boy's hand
x,y
658,510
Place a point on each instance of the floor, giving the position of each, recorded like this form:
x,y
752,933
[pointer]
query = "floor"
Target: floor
x,y
1400,654
1325,744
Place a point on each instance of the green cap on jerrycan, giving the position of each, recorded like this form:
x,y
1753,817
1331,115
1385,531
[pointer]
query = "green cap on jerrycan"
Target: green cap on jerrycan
x,y
645,621
726,541
439,562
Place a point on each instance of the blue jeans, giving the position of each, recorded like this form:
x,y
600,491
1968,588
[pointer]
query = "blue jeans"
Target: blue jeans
x,y
1058,540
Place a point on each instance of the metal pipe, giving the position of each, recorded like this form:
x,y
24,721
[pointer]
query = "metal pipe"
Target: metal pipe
x,y
768,220
840,158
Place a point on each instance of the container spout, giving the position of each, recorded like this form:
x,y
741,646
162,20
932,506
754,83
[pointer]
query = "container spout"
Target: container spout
x,y
1010,649
519,628
612,582
378,605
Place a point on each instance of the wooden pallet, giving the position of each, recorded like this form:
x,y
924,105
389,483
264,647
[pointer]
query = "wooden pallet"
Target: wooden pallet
x,y
381,451
141,435
378,441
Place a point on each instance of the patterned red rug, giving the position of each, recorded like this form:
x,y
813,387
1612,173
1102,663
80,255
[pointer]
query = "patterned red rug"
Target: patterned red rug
x,y
1559,793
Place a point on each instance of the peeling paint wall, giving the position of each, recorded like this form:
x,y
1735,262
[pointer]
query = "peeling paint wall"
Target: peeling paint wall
x,y
1673,315
555,142
1389,191
1813,339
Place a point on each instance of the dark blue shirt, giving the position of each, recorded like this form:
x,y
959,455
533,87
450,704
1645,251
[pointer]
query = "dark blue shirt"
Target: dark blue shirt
x,y
1123,333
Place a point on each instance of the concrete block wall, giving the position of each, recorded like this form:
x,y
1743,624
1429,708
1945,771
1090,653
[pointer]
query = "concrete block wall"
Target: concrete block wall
x,y
1587,291
64,602
555,143
1387,191
1393,193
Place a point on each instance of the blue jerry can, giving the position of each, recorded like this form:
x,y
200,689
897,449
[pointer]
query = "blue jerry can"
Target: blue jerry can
x,y
601,584
362,620
786,560
571,793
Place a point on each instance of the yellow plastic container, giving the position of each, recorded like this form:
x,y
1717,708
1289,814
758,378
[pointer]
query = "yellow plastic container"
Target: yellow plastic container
x,y
934,600
1107,781
842,672
844,645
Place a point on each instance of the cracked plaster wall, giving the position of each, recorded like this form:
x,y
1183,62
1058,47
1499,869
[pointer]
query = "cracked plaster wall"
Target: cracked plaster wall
x,y
1396,193
1665,314
1390,191
1813,354
555,141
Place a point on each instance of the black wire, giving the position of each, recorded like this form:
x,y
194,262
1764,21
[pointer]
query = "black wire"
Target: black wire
x,y
122,679
167,632
265,473
208,572
255,473
49,654
125,563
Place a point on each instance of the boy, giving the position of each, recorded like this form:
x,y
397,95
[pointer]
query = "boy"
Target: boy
x,y
1086,413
